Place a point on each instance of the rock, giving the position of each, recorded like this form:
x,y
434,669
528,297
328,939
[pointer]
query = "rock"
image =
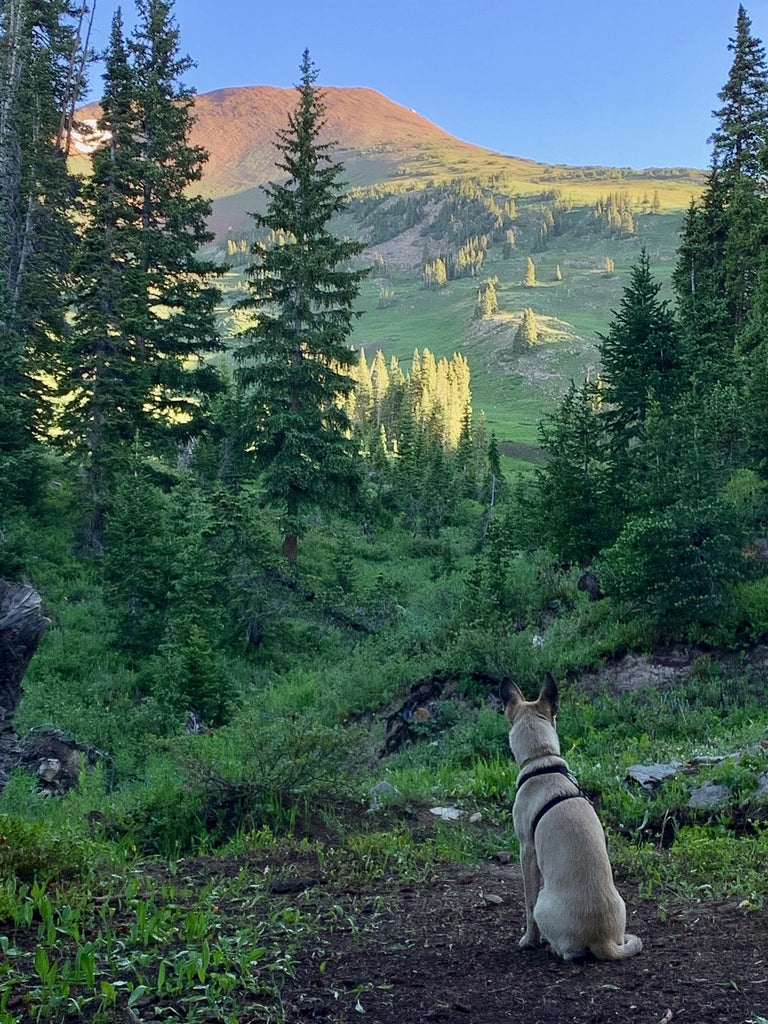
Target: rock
x,y
447,813
648,775
56,760
634,672
503,856
708,796
22,623
49,768
380,794
492,898
590,585
761,793
475,818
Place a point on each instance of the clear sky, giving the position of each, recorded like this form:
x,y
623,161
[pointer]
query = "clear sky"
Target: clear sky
x,y
562,81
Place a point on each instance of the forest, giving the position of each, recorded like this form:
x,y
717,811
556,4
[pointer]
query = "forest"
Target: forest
x,y
272,582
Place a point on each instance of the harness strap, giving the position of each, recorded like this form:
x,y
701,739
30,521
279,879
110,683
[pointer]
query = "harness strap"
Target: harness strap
x,y
553,803
554,769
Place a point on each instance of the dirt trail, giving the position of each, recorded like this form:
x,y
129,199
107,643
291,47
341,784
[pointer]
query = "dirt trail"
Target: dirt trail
x,y
447,951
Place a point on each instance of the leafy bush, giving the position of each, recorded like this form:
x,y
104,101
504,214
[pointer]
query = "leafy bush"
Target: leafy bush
x,y
35,851
677,565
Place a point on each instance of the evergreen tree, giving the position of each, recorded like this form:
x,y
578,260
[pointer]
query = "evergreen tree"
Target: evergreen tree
x,y
296,358
718,262
41,78
526,334
144,305
137,560
640,357
742,128
529,275
574,514
487,299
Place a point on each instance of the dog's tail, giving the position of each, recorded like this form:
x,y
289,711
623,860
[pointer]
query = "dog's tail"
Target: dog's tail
x,y
610,950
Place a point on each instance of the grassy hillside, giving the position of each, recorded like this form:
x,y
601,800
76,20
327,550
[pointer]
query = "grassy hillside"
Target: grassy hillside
x,y
513,390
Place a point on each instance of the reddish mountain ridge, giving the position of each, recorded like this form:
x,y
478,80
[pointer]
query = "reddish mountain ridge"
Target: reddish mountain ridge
x,y
377,140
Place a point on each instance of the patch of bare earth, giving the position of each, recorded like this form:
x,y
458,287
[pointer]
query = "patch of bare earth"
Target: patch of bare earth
x,y
446,950
406,250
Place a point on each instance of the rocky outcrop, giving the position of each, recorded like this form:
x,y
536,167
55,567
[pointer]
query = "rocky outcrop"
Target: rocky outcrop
x,y
22,623
56,760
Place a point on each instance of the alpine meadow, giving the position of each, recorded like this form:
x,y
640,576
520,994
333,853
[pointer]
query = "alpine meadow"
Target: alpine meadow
x,y
319,428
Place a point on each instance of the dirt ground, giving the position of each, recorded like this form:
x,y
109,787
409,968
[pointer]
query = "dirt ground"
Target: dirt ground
x,y
447,951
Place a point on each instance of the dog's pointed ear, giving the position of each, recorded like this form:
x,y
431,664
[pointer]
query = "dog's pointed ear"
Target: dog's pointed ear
x,y
510,696
549,695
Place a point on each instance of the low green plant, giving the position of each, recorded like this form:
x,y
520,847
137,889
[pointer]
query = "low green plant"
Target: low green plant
x,y
32,851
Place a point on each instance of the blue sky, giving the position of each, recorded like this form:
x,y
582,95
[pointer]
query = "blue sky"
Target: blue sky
x,y
562,81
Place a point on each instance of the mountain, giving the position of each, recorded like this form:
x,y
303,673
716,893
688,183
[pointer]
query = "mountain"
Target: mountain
x,y
416,192
379,141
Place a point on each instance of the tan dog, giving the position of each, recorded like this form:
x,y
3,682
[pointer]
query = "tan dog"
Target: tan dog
x,y
570,899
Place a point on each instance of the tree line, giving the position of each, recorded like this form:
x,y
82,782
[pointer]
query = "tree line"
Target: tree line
x,y
657,467
181,458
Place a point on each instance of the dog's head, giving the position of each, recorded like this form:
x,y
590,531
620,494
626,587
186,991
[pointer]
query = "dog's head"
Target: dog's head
x,y
533,731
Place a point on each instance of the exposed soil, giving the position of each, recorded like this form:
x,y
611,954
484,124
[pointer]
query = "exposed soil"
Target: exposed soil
x,y
442,948
446,950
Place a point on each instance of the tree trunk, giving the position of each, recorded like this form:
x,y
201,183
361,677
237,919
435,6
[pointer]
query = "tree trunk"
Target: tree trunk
x,y
22,623
291,548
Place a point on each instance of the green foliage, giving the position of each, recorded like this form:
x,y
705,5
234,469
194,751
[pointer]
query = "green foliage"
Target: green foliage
x,y
37,852
487,298
573,511
678,565
295,358
640,358
137,562
144,307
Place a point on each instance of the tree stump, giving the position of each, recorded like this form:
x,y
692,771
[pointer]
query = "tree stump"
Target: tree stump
x,y
22,623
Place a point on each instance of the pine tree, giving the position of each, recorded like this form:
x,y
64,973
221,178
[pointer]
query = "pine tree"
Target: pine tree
x,y
145,306
743,118
41,77
487,299
574,515
529,276
640,357
296,358
526,334
719,260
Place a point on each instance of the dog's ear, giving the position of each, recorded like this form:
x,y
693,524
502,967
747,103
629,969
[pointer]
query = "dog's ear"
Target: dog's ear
x,y
510,695
549,696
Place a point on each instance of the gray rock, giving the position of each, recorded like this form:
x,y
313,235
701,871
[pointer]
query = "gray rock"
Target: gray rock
x,y
649,775
447,813
708,796
381,793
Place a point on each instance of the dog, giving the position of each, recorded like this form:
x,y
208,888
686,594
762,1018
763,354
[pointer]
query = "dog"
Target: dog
x,y
571,902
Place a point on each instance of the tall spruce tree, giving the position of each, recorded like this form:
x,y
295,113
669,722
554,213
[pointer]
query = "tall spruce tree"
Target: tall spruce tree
x,y
742,127
717,270
41,77
640,358
144,299
295,358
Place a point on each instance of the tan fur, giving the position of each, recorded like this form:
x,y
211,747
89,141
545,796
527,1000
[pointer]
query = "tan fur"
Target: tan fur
x,y
570,899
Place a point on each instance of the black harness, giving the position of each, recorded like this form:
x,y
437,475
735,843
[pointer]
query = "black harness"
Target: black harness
x,y
555,769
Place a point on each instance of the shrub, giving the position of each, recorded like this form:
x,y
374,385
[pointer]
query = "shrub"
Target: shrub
x,y
677,565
